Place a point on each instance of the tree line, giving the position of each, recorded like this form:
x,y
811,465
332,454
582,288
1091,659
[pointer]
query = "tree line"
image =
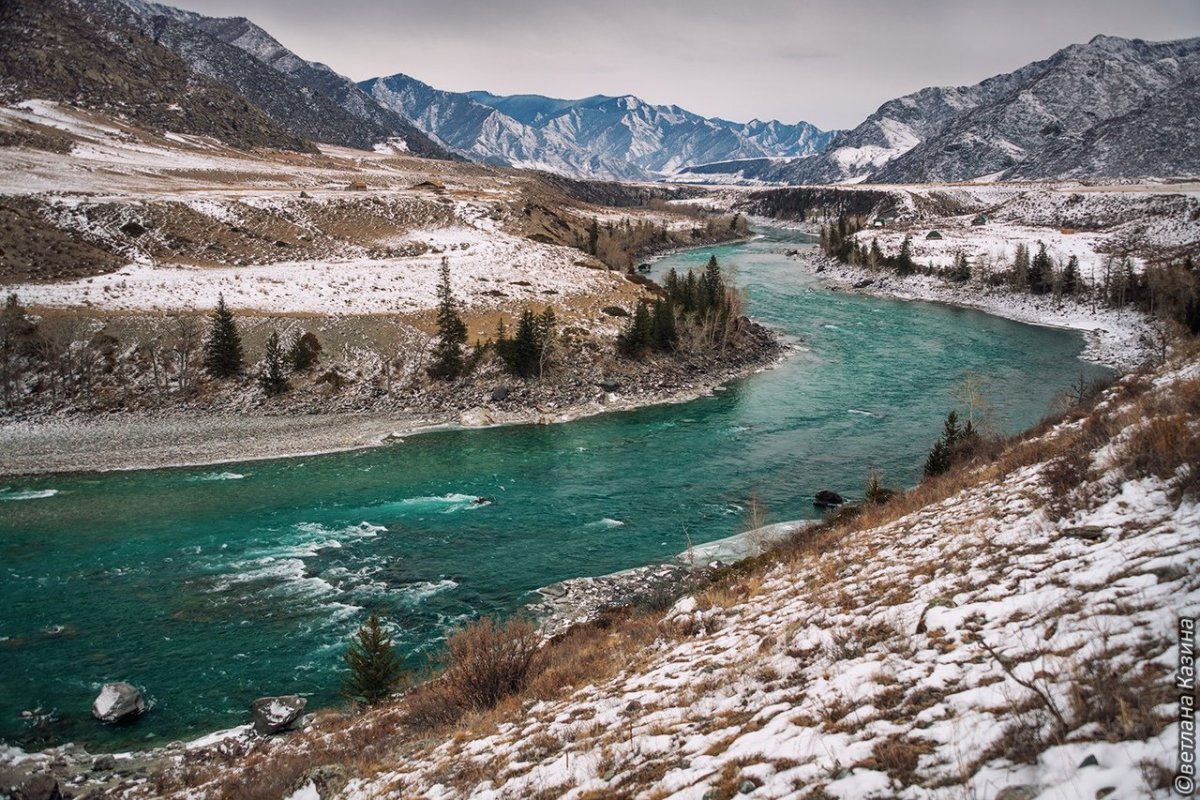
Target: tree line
x,y
1167,291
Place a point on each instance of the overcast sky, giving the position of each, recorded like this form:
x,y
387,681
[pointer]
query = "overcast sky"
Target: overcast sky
x,y
830,62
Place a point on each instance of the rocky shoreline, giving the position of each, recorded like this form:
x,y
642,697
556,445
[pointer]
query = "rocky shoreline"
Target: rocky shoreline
x,y
81,441
1118,340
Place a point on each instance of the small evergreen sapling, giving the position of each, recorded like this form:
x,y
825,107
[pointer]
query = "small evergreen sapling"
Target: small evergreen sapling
x,y
375,669
272,380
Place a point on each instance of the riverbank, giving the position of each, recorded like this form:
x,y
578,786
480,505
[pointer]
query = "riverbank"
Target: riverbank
x,y
186,438
1121,340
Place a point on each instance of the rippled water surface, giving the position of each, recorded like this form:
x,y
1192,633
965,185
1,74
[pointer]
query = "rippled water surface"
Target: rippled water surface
x,y
209,587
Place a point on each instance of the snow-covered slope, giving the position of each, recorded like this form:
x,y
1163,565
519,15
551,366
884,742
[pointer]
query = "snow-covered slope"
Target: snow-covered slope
x,y
1016,637
620,138
1110,108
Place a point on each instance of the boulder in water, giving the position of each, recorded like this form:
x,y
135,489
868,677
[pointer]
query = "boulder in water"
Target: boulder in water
x,y
118,702
828,499
275,714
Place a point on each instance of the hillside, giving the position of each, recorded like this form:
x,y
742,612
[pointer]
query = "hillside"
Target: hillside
x,y
615,138
308,99
1110,108
56,50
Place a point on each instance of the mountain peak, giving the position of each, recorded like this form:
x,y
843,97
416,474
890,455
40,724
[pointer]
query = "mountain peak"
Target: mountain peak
x,y
609,137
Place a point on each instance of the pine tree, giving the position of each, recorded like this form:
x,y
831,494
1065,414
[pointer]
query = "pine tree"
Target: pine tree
x,y
223,350
634,340
1041,272
904,261
375,670
962,268
875,257
1070,276
713,285
271,380
452,331
663,334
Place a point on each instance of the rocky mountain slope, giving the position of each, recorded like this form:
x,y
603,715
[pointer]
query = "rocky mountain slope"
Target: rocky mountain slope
x,y
308,99
622,138
57,50
1110,108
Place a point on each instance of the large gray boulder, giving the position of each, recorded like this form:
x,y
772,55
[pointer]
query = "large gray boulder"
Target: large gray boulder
x,y
275,714
118,702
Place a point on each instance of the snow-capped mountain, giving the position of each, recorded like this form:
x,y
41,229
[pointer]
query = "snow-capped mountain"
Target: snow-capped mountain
x,y
621,138
1110,108
307,99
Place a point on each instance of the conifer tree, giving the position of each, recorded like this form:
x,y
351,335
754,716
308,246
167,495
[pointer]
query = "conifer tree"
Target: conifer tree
x,y
663,334
452,331
1041,272
904,261
223,350
634,340
375,669
875,257
271,379
713,285
1070,276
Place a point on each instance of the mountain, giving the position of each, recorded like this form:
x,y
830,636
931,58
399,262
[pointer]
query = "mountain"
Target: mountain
x,y
308,99
57,50
621,138
1110,108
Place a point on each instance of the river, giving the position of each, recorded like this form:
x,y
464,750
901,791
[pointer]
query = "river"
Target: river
x,y
209,587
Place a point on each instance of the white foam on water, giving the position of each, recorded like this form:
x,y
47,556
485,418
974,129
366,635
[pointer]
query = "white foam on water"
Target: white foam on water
x,y
606,522
862,413
218,476
443,504
422,590
33,494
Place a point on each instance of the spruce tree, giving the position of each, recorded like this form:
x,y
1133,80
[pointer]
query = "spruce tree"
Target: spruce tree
x,y
1070,276
1041,272
452,331
662,326
904,261
634,340
271,380
223,350
375,670
713,285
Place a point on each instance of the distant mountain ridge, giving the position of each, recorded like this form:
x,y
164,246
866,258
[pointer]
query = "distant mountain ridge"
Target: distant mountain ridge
x,y
1110,108
616,138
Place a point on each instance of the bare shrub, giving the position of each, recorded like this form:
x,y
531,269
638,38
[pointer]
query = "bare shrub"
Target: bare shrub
x,y
1121,702
485,663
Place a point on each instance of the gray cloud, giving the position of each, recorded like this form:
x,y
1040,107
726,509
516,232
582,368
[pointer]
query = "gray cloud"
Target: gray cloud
x,y
831,63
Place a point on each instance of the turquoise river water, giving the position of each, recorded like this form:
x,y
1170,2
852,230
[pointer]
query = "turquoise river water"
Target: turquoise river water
x,y
209,587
